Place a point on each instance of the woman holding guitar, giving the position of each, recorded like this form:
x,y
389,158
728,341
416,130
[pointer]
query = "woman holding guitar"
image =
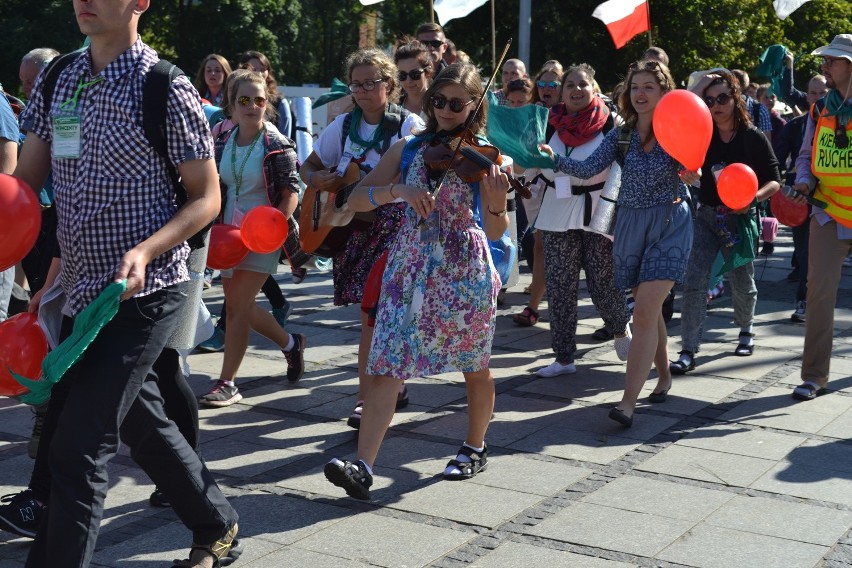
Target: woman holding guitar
x,y
355,141
438,303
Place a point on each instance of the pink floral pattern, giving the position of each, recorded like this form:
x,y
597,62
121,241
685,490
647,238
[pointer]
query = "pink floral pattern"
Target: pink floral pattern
x,y
439,299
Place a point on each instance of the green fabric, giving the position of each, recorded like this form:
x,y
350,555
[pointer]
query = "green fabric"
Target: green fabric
x,y
836,106
338,91
87,325
772,67
743,252
518,132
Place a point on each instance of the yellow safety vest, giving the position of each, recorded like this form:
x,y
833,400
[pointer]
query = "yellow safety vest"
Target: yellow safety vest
x,y
832,166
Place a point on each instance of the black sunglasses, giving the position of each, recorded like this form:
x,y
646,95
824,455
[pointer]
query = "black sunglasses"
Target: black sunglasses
x,y
456,105
415,74
434,43
720,100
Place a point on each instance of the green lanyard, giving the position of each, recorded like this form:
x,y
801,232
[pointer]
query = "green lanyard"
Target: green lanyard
x,y
238,178
71,104
363,146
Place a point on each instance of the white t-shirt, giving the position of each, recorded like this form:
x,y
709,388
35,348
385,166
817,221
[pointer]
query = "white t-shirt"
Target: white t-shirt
x,y
560,212
328,147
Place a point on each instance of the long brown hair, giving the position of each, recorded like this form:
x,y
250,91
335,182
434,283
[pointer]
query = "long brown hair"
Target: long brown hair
x,y
661,75
200,83
271,84
741,117
466,76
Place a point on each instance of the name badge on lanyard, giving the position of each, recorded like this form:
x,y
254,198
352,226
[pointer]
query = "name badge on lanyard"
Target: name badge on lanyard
x,y
66,136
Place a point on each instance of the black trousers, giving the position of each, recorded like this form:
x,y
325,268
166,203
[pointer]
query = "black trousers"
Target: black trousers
x,y
112,393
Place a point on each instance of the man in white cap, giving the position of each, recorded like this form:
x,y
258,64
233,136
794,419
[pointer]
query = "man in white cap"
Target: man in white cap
x,y
824,169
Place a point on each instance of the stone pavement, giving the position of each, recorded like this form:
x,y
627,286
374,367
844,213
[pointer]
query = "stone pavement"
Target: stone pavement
x,y
730,472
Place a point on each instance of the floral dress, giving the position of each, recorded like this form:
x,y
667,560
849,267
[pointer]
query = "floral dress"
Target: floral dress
x,y
438,303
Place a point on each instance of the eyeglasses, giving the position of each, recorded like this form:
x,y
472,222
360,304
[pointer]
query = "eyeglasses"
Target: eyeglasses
x,y
259,102
829,61
456,105
721,100
368,86
415,74
433,43
547,84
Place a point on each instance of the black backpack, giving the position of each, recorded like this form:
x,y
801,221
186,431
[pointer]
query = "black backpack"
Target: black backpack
x,y
155,94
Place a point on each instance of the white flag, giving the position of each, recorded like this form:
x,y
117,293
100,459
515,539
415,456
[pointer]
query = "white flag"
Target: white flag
x,y
786,7
450,9
370,2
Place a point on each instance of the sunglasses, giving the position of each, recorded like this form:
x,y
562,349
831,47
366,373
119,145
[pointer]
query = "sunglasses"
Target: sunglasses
x,y
547,84
518,83
259,102
368,86
645,64
721,100
415,74
456,105
433,43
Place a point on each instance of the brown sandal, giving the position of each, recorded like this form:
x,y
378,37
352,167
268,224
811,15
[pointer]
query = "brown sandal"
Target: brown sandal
x,y
527,318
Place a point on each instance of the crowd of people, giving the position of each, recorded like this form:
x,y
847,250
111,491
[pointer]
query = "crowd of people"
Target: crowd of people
x,y
123,209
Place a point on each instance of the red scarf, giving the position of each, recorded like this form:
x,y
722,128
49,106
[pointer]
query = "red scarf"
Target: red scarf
x,y
577,128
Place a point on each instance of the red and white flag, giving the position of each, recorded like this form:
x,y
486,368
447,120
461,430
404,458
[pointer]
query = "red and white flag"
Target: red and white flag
x,y
624,19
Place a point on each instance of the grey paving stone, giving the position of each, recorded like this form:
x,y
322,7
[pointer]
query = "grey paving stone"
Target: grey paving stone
x,y
295,556
573,444
422,456
514,554
594,419
385,541
657,497
298,435
706,465
283,519
528,475
388,483
706,546
642,534
594,382
469,503
791,521
243,459
292,398
735,439
839,427
803,480
453,426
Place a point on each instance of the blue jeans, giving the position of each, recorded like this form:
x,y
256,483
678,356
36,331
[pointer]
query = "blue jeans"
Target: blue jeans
x,y
705,245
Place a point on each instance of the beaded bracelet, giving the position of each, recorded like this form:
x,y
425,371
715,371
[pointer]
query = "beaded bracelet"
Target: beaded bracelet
x,y
372,200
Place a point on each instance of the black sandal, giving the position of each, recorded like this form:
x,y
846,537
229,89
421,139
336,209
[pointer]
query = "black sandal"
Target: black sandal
x,y
602,334
744,350
224,551
681,367
478,462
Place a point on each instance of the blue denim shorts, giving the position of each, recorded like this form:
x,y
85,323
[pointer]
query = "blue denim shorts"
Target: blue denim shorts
x,y
651,243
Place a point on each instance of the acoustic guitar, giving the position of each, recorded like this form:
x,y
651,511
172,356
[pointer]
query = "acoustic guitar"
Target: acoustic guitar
x,y
326,222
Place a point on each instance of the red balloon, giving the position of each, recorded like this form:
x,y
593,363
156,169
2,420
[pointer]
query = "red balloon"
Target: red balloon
x,y
737,186
23,346
226,247
786,211
264,229
20,220
683,127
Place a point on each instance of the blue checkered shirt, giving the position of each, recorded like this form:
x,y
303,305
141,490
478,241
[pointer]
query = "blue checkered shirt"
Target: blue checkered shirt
x,y
118,192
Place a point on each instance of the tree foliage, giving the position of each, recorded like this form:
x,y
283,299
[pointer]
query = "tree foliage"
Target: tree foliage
x,y
307,40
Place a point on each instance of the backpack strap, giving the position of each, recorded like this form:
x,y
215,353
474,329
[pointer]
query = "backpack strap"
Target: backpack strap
x,y
155,98
347,124
625,137
51,75
395,116
816,109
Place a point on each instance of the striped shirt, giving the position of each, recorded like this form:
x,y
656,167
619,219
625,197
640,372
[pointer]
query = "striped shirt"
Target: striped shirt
x,y
118,192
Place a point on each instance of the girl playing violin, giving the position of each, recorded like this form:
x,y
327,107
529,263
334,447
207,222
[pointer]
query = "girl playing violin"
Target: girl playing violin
x,y
438,301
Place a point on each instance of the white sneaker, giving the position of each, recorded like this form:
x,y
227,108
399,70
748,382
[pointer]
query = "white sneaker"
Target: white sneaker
x,y
799,314
622,344
555,369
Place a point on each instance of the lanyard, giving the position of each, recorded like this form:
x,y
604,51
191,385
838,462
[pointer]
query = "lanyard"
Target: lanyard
x,y
238,178
71,104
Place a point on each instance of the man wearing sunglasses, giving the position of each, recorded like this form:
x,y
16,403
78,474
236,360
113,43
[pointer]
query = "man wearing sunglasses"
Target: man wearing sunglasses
x,y
118,223
513,70
432,36
824,168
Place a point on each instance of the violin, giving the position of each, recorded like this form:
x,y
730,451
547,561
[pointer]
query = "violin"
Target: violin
x,y
469,159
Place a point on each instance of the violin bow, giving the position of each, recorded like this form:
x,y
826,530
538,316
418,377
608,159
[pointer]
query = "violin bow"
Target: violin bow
x,y
472,117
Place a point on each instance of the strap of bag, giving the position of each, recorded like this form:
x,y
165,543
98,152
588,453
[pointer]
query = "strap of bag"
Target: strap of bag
x,y
625,137
51,75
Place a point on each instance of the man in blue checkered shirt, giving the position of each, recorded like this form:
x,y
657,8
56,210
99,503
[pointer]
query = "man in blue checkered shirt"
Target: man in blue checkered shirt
x,y
118,220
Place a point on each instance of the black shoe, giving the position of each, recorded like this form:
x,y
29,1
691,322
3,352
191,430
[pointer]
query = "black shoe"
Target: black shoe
x,y
353,477
768,249
794,275
684,363
21,514
402,398
467,469
658,397
621,418
159,499
296,358
355,418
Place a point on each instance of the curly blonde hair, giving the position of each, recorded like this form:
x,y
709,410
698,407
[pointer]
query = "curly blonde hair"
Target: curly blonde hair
x,y
378,59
